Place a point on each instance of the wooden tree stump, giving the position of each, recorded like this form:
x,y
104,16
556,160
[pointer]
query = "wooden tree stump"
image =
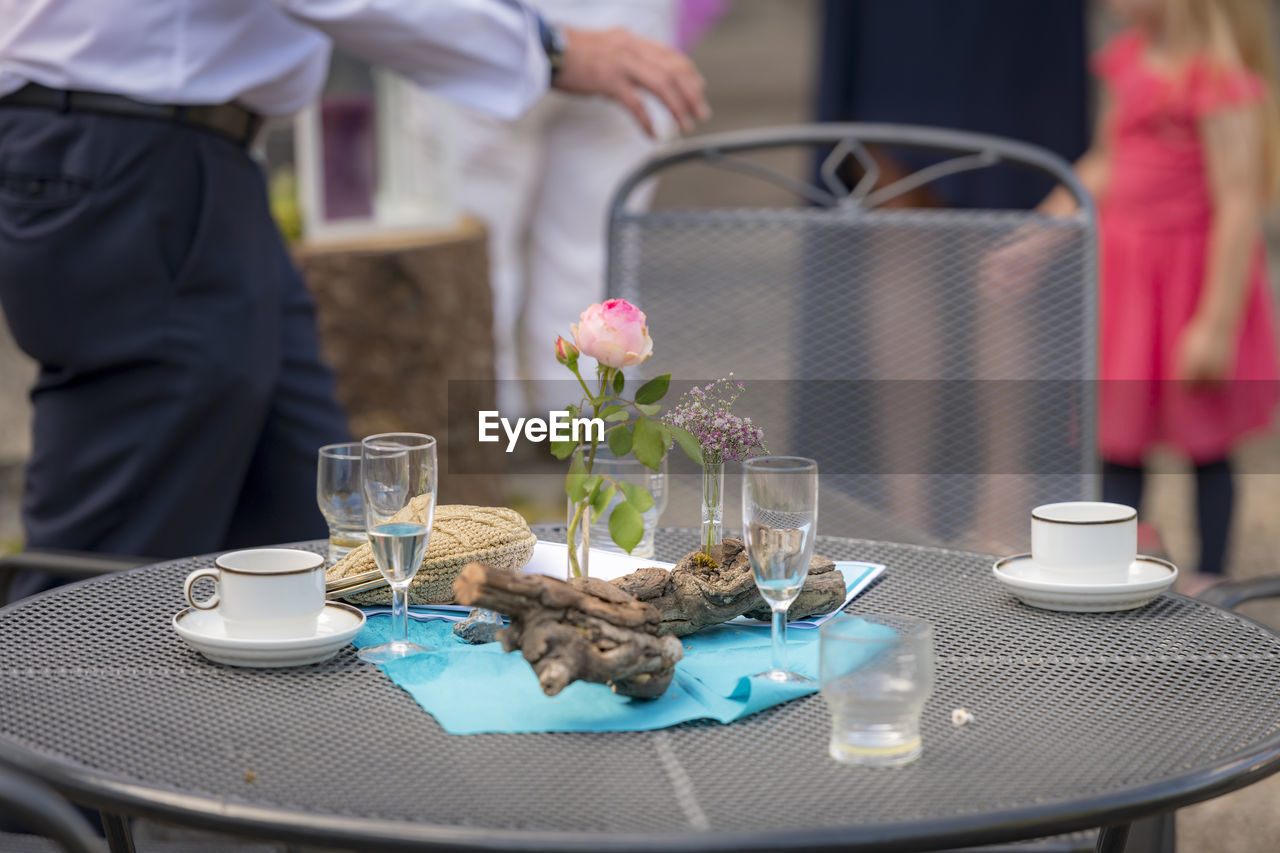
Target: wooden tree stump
x,y
402,317
586,630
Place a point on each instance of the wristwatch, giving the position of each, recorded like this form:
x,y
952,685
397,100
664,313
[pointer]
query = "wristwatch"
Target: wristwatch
x,y
553,43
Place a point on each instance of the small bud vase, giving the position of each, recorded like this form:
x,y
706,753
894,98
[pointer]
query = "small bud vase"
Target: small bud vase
x,y
712,505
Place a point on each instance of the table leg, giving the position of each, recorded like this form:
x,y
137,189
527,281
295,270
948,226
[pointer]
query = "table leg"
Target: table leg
x,y
1112,839
119,838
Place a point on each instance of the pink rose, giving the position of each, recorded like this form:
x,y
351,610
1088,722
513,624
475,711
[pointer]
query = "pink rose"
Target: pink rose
x,y
614,334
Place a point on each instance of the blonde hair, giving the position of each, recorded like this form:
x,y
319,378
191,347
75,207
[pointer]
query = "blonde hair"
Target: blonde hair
x,y
1234,34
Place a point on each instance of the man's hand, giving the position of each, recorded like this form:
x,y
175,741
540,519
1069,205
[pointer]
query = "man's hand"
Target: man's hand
x,y
620,65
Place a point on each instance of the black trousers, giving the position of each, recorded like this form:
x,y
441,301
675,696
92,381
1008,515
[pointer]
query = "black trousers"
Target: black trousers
x,y
181,397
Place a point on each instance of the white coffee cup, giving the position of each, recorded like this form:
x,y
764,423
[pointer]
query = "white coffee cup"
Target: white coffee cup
x,y
1084,541
266,593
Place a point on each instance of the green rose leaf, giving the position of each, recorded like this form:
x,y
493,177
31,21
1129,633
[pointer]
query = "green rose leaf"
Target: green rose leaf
x,y
647,444
562,449
637,496
618,382
620,440
575,482
617,416
688,443
600,499
626,526
648,408
653,390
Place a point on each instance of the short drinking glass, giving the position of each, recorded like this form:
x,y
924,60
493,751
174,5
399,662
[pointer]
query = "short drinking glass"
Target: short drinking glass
x,y
876,674
399,470
780,518
341,498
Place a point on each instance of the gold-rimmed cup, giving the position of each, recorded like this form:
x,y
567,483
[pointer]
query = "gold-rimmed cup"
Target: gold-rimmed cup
x,y
1087,542
267,593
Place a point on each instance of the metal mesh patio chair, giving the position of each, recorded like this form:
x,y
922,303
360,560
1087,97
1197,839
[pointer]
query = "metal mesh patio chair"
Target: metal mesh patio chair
x,y
1231,594
67,565
937,362
34,807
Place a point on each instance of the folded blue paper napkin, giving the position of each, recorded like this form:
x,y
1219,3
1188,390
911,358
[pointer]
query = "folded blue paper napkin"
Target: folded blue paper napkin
x,y
474,689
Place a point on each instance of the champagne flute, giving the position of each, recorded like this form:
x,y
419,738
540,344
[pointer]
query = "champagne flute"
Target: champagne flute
x,y
399,470
779,517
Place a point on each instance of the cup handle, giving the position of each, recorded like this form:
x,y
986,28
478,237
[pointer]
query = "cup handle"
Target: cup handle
x,y
210,602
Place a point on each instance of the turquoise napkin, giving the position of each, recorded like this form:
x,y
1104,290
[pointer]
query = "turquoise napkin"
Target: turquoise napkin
x,y
475,689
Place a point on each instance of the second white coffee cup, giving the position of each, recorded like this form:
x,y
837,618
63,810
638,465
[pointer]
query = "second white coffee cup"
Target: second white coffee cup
x,y
1088,542
264,593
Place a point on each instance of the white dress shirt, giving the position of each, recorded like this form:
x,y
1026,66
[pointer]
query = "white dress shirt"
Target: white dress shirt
x,y
653,19
271,55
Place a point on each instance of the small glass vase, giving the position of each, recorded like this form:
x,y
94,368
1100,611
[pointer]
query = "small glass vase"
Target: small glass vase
x,y
712,505
594,525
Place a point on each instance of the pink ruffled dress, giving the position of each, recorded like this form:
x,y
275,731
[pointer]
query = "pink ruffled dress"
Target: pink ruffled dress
x,y
1155,222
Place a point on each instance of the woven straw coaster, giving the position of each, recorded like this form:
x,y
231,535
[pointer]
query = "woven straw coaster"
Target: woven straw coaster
x,y
495,536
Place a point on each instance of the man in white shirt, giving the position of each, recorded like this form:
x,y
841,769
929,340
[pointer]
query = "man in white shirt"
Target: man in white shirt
x,y
181,398
542,183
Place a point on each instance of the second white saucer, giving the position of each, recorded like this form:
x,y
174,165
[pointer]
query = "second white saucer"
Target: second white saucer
x,y
1032,585
205,632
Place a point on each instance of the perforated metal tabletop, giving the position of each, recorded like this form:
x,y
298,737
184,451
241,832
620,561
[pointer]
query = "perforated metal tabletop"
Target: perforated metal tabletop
x,y
1080,720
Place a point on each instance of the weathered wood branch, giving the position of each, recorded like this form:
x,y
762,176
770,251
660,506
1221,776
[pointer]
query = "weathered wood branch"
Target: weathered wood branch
x,y
587,630
700,592
623,632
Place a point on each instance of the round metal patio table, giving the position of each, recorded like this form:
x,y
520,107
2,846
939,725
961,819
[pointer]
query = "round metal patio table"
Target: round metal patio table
x,y
1081,720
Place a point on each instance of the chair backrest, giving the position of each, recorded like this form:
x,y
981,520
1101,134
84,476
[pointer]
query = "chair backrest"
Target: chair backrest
x,y
914,352
39,810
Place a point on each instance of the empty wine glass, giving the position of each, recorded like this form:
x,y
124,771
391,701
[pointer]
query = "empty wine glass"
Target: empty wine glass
x,y
779,517
399,470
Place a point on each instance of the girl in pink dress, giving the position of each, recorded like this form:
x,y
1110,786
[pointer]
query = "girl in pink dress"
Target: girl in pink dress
x,y
1187,156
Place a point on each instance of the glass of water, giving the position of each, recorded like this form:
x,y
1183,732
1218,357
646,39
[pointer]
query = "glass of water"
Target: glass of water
x,y
398,470
341,497
779,519
876,674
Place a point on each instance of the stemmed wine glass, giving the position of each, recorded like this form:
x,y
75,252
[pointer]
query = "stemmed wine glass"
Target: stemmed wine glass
x,y
779,517
398,469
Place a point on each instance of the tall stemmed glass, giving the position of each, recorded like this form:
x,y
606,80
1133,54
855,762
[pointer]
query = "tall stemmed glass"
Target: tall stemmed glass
x,y
399,470
780,519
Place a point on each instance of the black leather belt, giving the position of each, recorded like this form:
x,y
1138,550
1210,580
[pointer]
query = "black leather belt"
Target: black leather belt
x,y
227,120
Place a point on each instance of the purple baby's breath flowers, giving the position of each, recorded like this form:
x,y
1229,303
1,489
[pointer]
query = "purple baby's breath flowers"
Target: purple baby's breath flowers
x,y
724,436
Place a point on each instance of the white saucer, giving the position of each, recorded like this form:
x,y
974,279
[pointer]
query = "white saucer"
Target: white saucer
x,y
204,631
1148,577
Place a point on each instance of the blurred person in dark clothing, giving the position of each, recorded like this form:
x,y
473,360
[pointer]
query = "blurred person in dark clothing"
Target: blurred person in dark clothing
x,y
181,397
1004,67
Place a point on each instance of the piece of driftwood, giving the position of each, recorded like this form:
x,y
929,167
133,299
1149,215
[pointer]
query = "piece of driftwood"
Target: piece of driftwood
x,y
702,591
584,630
